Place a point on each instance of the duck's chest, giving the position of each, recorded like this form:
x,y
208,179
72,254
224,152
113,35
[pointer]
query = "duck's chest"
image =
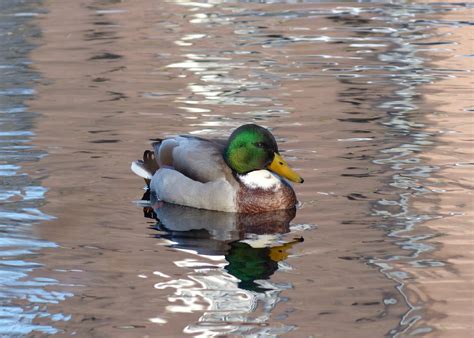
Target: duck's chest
x,y
262,191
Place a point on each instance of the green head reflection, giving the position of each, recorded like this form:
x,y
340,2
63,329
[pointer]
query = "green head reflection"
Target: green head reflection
x,y
249,264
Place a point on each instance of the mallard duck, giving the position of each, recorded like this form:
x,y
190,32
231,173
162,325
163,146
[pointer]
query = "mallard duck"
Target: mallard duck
x,y
244,174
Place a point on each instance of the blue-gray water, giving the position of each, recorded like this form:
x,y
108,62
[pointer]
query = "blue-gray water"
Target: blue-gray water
x,y
23,296
369,101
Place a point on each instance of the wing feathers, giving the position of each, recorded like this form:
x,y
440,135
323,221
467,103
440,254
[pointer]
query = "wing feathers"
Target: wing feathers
x,y
200,160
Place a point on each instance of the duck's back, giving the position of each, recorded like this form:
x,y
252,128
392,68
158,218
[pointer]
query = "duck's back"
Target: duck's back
x,y
199,159
193,173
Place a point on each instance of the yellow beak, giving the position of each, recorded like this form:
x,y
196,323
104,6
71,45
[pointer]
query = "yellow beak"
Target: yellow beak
x,y
282,168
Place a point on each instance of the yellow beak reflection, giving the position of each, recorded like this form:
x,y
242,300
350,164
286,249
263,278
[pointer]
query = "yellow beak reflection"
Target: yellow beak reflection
x,y
280,167
279,253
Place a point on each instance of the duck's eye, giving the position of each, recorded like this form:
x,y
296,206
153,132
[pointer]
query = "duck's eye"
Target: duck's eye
x,y
260,144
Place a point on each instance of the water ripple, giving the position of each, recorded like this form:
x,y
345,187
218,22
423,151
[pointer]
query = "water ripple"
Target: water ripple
x,y
22,296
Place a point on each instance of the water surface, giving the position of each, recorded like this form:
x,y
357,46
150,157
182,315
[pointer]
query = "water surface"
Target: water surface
x,y
24,295
368,101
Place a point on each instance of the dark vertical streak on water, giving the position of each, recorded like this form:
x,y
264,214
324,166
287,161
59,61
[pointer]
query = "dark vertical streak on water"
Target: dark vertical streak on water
x,y
22,296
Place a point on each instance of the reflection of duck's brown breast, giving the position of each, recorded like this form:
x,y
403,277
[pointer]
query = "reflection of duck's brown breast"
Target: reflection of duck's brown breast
x,y
255,200
276,221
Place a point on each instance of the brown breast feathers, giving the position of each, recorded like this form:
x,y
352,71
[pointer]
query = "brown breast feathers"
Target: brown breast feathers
x,y
255,200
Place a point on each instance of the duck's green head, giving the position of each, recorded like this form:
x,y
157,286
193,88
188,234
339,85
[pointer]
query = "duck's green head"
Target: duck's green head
x,y
251,147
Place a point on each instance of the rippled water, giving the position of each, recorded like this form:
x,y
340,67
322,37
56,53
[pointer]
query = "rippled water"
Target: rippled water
x,y
370,101
23,296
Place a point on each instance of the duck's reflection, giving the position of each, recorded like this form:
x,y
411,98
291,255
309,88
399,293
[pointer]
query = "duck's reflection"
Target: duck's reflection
x,y
251,243
233,257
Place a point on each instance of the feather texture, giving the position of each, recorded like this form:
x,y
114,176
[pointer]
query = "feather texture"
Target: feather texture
x,y
139,169
172,186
